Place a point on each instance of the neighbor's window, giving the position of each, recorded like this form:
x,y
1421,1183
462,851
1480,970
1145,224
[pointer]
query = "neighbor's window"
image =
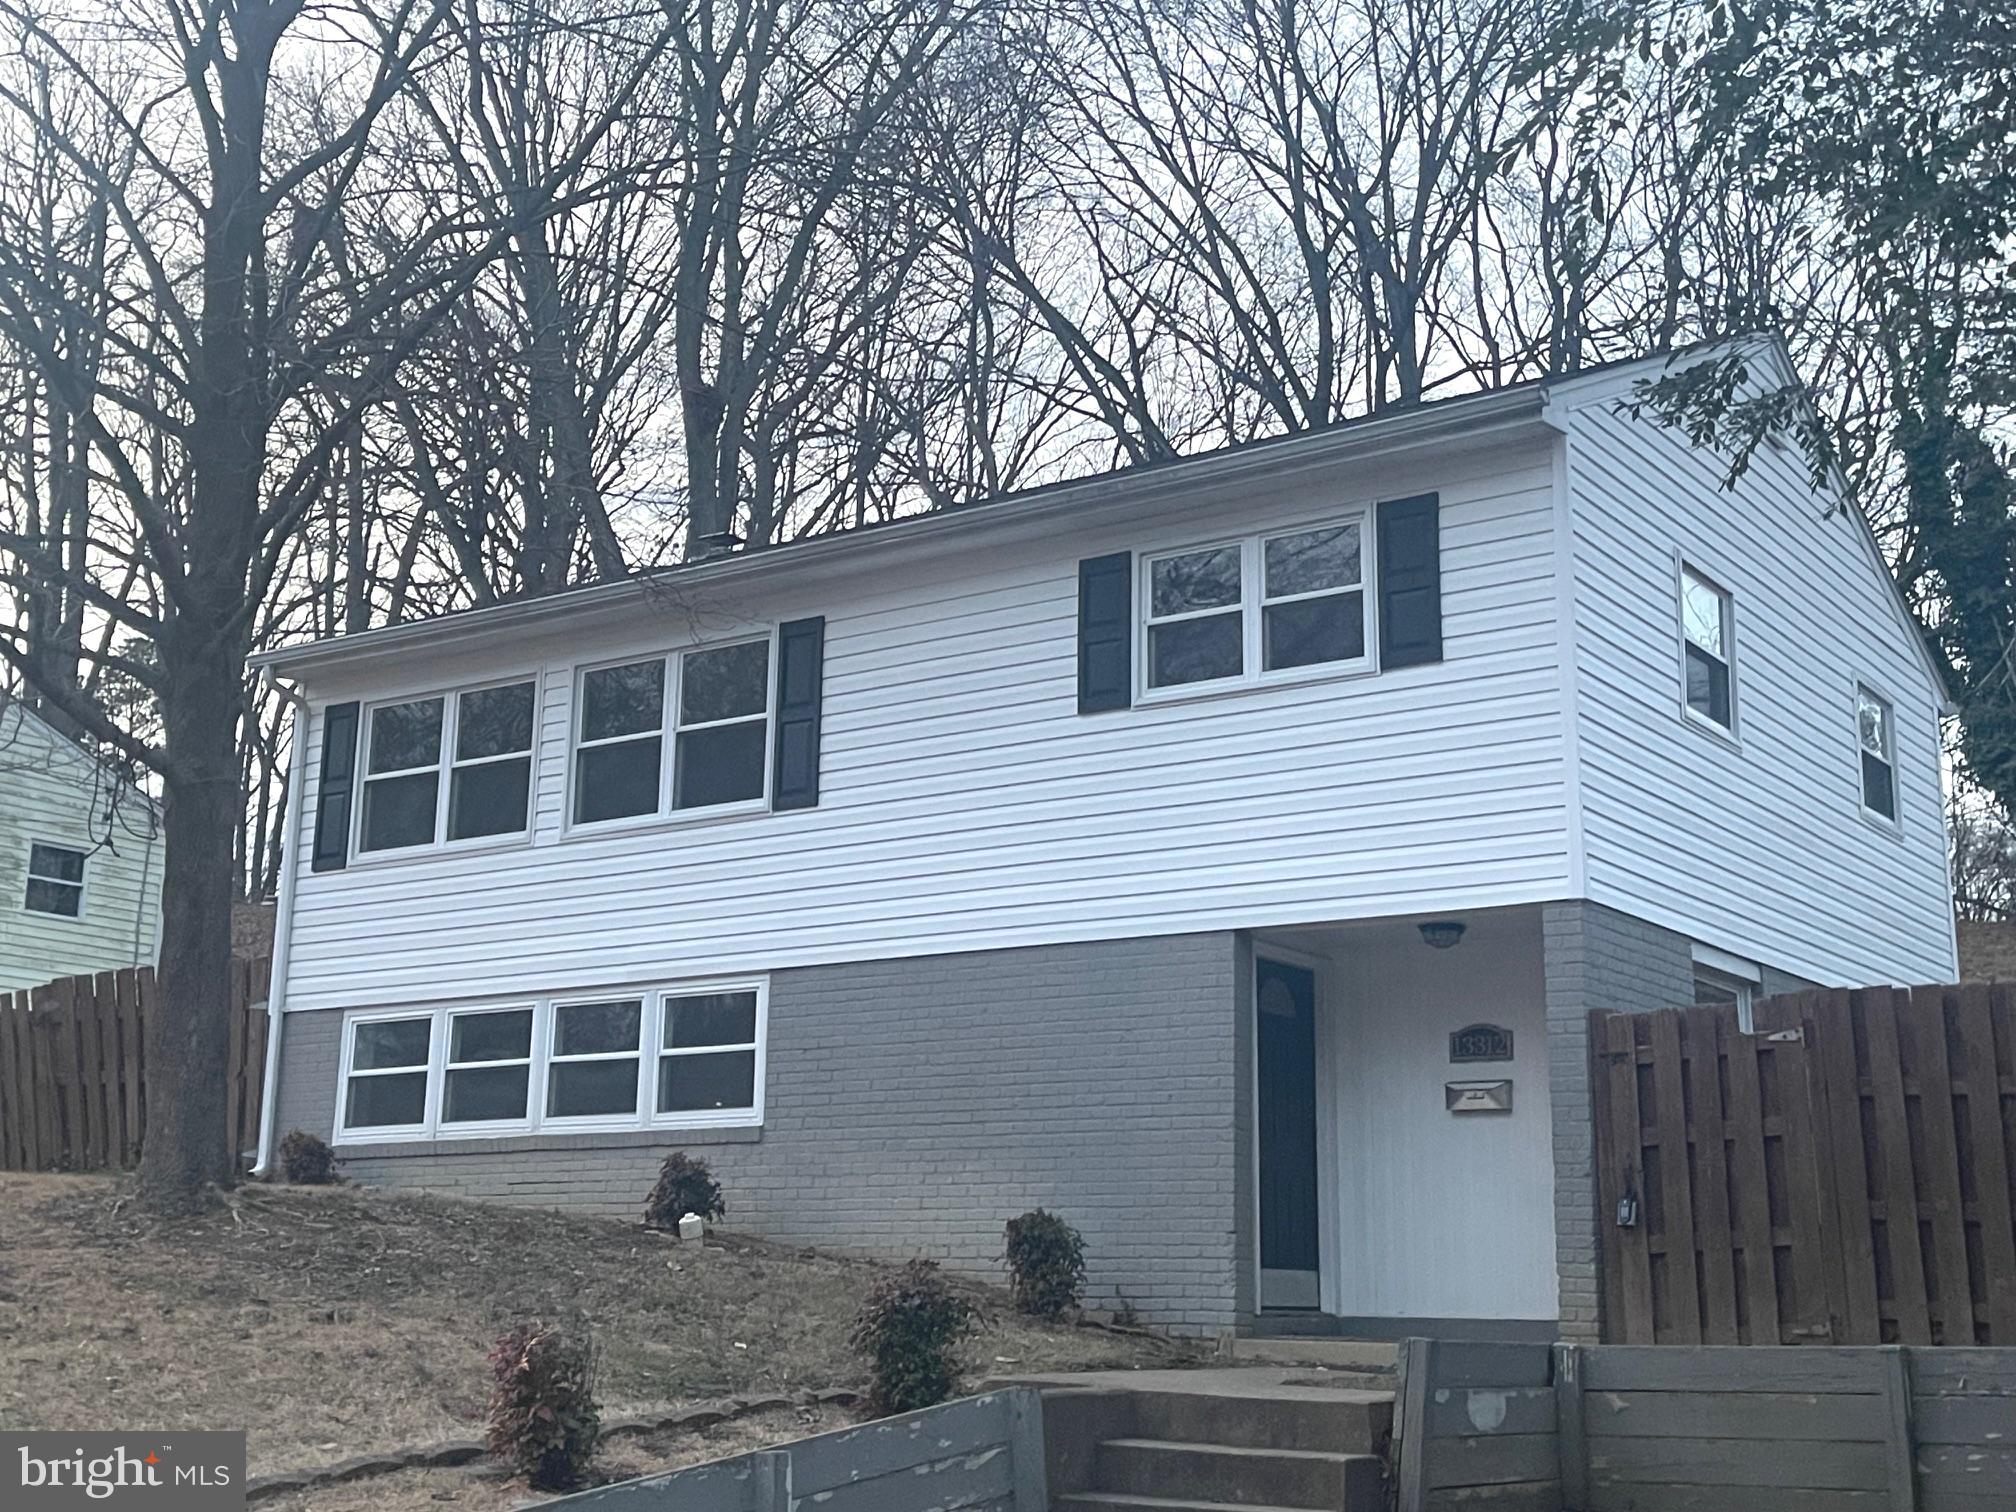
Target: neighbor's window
x,y
485,736
1705,627
596,1050
1269,604
489,1073
1879,763
681,1057
55,881
387,1083
710,705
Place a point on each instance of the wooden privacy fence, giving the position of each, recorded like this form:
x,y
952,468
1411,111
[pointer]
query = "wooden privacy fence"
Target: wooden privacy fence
x,y
1625,1428
74,1081
1841,1175
979,1454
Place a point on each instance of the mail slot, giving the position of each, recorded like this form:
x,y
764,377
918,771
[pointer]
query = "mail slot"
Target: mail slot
x,y
1478,1096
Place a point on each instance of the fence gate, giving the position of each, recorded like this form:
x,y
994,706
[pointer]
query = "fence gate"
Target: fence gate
x,y
1841,1175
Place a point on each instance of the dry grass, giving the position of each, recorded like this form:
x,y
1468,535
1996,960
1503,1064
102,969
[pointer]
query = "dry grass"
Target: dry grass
x,y
330,1322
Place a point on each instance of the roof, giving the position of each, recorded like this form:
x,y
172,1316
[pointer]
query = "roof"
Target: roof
x,y
1464,416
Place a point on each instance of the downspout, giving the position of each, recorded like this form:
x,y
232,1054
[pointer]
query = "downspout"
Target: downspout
x,y
283,921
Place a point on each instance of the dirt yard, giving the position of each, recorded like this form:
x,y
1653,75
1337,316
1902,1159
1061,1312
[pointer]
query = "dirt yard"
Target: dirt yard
x,y
333,1322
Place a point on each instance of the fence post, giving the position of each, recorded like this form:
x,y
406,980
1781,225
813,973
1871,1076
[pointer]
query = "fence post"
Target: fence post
x,y
1570,1442
1417,1364
1026,1452
1900,1446
770,1481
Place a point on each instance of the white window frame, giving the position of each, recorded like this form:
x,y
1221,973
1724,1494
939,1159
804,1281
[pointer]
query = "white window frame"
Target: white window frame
x,y
438,1108
1746,977
82,884
543,1087
651,1036
1685,568
673,663
430,1099
445,765
1889,821
1253,602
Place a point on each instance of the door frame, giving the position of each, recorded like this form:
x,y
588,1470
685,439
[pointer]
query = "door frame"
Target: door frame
x,y
1321,968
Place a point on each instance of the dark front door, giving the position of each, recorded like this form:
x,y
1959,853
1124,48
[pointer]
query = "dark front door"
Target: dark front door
x,y
1285,1011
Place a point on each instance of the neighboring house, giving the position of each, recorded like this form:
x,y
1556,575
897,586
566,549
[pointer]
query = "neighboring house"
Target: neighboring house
x,y
80,859
1224,854
1988,950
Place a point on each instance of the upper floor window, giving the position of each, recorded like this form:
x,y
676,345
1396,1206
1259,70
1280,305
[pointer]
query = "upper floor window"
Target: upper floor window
x,y
1248,608
1879,763
55,880
1705,625
709,706
458,766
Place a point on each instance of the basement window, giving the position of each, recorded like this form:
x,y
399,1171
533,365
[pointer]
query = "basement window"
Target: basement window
x,y
55,881
679,1057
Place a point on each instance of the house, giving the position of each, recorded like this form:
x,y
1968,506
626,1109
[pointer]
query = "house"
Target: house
x,y
80,858
1224,854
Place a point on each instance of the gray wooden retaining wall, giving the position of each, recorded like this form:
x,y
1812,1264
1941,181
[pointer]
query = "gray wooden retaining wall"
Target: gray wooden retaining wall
x,y
1534,1428
980,1454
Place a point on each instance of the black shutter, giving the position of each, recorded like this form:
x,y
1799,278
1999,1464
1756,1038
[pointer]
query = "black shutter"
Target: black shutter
x,y
1410,581
1106,632
334,793
801,655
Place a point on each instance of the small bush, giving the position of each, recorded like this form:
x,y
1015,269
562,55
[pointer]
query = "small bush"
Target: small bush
x,y
685,1185
543,1417
307,1160
1046,1258
907,1329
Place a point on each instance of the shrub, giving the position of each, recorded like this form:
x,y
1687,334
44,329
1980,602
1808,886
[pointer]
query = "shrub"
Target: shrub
x,y
1046,1258
543,1417
685,1185
307,1160
907,1329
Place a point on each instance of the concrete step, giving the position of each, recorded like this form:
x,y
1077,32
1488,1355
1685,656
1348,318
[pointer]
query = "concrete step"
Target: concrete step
x,y
1371,1358
1115,1501
1333,1422
1210,1472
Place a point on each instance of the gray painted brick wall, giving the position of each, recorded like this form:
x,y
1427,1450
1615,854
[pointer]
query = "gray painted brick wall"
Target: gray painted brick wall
x,y
1597,957
914,1106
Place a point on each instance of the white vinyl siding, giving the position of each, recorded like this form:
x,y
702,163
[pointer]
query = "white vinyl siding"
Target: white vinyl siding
x,y
1755,847
52,795
965,803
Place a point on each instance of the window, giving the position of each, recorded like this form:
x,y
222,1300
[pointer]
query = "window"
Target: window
x,y
1723,978
55,881
386,1081
1879,765
707,1053
487,733
1243,610
1705,630
489,1074
711,705
596,1051
680,1057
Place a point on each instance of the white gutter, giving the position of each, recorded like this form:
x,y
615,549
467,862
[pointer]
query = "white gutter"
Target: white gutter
x,y
283,923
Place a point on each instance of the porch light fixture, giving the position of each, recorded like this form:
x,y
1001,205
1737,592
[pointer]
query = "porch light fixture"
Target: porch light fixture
x,y
1441,934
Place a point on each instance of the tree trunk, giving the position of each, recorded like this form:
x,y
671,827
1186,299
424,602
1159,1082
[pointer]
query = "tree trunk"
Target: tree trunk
x,y
188,1034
